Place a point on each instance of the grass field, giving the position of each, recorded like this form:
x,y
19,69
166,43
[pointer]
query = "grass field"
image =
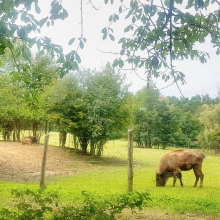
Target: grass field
x,y
110,177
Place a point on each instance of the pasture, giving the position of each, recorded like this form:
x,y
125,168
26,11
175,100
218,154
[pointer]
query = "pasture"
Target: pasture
x,y
107,176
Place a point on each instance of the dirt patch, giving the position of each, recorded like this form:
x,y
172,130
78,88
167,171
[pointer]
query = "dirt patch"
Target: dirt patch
x,y
160,215
22,163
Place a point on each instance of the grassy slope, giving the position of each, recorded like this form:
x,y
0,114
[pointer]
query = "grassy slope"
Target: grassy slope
x,y
110,177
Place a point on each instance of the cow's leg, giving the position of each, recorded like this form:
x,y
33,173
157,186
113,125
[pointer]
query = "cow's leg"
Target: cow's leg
x,y
177,174
197,179
174,180
199,174
180,177
201,179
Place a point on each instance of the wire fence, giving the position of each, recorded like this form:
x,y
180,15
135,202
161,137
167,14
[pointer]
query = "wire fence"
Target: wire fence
x,y
25,162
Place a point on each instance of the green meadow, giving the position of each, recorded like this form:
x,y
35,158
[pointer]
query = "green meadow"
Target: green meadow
x,y
108,176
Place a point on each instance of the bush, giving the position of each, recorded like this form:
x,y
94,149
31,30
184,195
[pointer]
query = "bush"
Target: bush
x,y
43,205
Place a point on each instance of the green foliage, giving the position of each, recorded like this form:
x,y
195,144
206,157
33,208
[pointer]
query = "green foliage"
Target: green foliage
x,y
162,32
21,92
41,205
30,205
210,135
90,105
93,208
161,121
154,122
18,22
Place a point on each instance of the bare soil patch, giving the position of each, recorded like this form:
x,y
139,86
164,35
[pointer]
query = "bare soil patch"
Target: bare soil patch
x,y
22,163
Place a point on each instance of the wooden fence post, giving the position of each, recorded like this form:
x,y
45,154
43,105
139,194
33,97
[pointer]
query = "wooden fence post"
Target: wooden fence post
x,y
43,166
130,160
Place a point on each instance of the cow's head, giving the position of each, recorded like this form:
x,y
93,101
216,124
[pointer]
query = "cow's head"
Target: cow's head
x,y
160,179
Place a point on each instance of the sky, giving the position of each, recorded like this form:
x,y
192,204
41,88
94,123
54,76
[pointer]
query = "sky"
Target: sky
x,y
200,78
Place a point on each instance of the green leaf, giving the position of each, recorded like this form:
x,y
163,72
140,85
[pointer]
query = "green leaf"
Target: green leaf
x,y
147,9
189,18
104,36
127,29
121,63
200,3
120,9
122,52
37,9
133,19
207,2
47,41
81,44
111,37
78,58
190,4
115,63
115,18
16,76
110,18
167,3
65,13
128,15
2,50
179,2
71,41
104,30
43,21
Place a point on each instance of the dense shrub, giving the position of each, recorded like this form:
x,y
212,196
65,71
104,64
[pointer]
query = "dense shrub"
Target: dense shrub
x,y
45,205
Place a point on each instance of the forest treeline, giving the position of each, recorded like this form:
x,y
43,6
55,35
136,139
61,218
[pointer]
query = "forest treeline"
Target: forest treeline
x,y
96,106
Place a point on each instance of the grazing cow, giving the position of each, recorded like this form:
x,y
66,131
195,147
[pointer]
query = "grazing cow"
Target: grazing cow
x,y
174,162
29,140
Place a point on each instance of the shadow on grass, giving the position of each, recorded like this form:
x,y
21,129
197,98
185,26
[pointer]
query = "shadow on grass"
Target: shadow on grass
x,y
103,160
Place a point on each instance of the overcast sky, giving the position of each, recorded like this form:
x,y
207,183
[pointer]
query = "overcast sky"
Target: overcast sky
x,y
201,78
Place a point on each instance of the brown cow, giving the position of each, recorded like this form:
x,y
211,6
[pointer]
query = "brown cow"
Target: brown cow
x,y
174,162
29,140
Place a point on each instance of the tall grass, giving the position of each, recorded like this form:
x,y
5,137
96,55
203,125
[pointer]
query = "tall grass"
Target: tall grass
x,y
108,175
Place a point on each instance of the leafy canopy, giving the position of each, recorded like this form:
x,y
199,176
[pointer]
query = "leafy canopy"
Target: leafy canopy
x,y
162,32
17,22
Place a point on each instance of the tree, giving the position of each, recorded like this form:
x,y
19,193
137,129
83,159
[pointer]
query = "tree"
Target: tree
x,y
147,120
167,124
186,113
19,21
22,103
92,106
13,108
162,32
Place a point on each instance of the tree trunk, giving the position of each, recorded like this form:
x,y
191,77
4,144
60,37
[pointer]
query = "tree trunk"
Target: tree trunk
x,y
17,130
75,142
84,144
164,146
62,138
92,147
35,128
